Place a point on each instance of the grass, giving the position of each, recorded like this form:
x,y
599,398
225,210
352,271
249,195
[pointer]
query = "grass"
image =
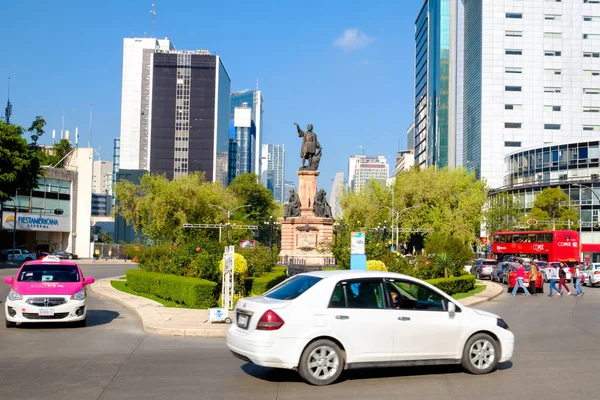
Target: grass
x,y
478,289
122,286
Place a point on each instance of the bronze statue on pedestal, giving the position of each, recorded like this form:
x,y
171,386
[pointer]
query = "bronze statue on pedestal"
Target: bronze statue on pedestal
x,y
311,148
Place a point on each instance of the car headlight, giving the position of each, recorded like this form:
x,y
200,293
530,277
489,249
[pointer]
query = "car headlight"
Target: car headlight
x,y
12,295
502,323
79,295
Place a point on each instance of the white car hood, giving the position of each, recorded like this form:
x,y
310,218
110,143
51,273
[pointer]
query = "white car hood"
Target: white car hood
x,y
485,313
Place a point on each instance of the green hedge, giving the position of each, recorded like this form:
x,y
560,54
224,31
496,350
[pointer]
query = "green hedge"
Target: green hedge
x,y
453,285
261,284
192,292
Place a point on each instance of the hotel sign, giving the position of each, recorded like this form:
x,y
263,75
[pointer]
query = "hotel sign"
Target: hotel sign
x,y
36,222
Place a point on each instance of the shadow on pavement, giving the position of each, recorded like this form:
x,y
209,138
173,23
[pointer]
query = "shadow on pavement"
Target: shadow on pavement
x,y
94,318
284,375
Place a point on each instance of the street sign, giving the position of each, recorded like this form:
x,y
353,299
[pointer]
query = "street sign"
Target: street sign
x,y
357,243
532,221
489,248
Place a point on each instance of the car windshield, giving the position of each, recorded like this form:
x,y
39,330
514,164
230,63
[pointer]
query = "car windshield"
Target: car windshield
x,y
490,263
293,287
49,273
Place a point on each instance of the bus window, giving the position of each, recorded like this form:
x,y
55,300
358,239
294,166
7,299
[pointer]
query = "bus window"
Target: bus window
x,y
531,237
567,237
500,239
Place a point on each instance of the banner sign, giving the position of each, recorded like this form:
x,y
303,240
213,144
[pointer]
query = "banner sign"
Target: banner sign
x,y
357,243
36,222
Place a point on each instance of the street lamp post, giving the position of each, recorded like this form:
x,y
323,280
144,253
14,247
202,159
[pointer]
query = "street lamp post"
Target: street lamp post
x,y
228,212
396,215
581,186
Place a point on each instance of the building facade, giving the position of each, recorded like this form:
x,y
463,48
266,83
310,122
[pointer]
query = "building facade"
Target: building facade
x,y
405,159
436,92
335,195
101,204
362,169
273,170
410,137
175,110
245,136
573,166
116,163
531,77
102,177
254,100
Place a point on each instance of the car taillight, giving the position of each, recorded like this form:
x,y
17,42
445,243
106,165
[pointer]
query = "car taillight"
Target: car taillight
x,y
269,321
597,273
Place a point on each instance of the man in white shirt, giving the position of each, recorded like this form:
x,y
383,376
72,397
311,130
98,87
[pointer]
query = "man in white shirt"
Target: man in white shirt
x,y
578,277
553,276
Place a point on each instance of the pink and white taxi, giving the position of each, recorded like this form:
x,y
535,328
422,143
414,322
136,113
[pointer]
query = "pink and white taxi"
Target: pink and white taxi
x,y
50,290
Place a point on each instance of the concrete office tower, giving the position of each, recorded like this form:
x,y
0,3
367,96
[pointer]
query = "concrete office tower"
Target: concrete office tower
x,y
437,40
531,77
362,169
273,170
254,100
135,99
335,195
245,136
405,159
181,99
102,177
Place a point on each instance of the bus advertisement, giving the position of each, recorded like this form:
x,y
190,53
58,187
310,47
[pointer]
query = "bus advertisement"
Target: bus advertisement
x,y
561,245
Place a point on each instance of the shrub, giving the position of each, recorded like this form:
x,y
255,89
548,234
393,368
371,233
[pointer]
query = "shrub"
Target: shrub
x,y
260,259
330,269
453,285
376,265
192,292
155,258
261,284
240,266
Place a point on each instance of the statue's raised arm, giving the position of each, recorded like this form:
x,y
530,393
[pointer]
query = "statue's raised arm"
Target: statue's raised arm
x,y
300,131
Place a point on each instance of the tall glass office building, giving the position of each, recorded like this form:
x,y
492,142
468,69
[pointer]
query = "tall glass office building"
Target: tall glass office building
x,y
252,99
436,92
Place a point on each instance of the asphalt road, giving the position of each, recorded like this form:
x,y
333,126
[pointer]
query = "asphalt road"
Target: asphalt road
x,y
556,357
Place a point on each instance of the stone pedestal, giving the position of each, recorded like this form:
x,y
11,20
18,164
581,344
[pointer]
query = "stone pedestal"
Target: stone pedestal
x,y
307,238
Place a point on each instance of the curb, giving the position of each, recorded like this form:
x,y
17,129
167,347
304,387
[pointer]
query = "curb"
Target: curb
x,y
147,310
489,285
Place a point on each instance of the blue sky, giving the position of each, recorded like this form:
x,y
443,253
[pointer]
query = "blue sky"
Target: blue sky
x,y
344,66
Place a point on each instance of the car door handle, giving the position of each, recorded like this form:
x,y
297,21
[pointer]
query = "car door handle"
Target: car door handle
x,y
342,317
403,318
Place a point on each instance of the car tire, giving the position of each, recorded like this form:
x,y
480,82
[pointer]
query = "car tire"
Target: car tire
x,y
70,257
480,355
80,324
9,324
315,357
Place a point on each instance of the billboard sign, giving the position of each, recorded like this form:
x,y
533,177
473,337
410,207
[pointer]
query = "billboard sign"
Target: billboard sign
x,y
36,222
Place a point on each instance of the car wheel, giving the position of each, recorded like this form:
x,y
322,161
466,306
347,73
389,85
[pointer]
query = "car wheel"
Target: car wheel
x,y
70,257
80,324
321,363
480,355
10,324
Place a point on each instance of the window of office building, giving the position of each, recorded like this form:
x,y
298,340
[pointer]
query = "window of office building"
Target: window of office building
x,y
552,71
552,90
513,52
553,35
514,33
513,106
589,54
552,17
514,15
512,88
512,125
589,36
552,108
552,53
553,127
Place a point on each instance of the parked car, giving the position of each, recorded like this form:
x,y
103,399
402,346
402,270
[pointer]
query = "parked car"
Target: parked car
x,y
544,267
500,273
64,255
50,290
324,322
19,255
484,268
592,274
512,278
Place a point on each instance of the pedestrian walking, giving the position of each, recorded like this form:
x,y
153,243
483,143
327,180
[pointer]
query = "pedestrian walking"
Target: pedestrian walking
x,y
519,283
562,275
578,278
533,277
552,276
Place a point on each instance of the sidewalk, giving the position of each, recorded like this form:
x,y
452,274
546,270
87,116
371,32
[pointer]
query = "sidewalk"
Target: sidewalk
x,y
159,319
162,320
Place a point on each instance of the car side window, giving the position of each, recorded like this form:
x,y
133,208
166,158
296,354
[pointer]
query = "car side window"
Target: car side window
x,y
358,293
406,295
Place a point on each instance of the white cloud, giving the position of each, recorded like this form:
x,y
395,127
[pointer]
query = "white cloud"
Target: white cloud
x,y
352,39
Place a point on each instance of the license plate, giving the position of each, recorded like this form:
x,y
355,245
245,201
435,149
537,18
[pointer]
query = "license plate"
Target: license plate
x,y
46,312
242,321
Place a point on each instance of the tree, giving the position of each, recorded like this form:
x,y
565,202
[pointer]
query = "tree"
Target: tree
x,y
449,254
552,209
503,213
57,154
20,164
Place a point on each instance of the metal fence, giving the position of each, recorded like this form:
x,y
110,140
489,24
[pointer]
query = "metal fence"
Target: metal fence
x,y
109,251
297,265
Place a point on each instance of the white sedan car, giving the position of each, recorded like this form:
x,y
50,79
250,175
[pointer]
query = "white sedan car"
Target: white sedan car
x,y
324,322
592,274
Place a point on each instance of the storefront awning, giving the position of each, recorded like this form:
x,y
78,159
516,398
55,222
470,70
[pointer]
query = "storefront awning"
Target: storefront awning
x,y
590,248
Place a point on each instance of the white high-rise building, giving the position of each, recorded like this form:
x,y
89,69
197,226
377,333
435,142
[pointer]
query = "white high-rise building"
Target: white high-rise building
x,y
531,77
362,169
135,99
273,170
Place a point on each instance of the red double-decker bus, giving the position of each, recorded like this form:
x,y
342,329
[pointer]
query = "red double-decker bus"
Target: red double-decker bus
x,y
538,245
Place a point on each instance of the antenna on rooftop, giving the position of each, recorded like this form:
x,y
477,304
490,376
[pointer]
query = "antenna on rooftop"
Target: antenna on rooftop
x,y
363,149
256,83
90,138
153,12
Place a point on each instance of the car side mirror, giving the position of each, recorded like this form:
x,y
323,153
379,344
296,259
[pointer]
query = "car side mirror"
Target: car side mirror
x,y
451,309
89,281
8,280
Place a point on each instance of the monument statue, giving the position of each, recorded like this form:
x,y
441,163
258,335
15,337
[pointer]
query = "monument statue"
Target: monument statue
x,y
311,148
292,207
320,206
